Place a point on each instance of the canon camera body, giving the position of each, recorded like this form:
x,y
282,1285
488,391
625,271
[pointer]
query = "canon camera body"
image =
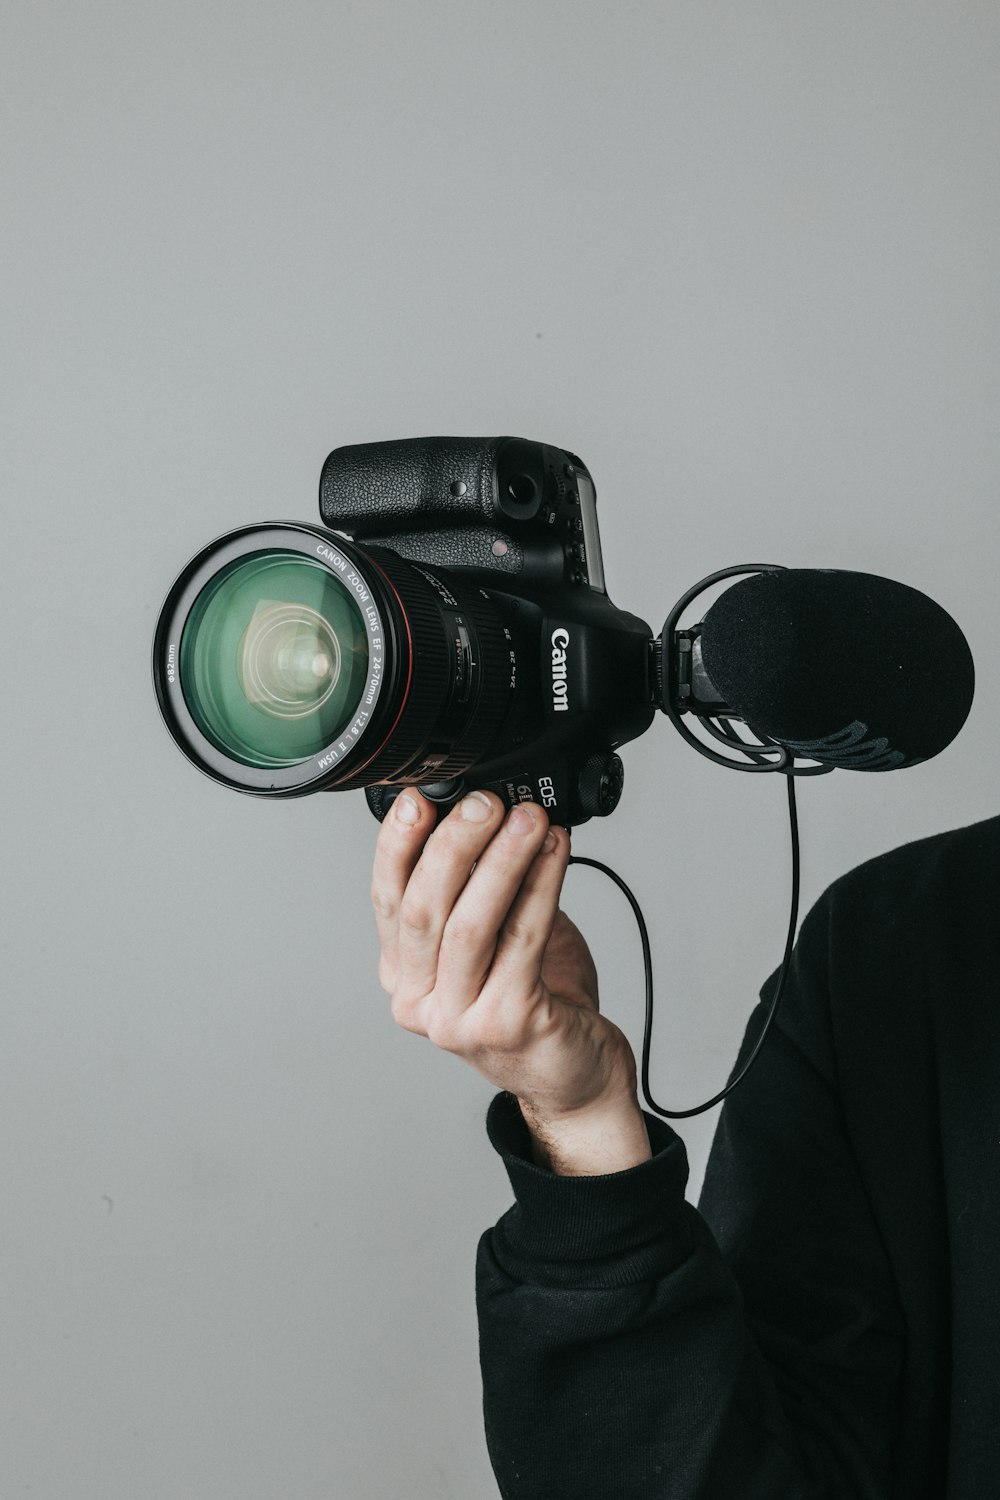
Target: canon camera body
x,y
446,626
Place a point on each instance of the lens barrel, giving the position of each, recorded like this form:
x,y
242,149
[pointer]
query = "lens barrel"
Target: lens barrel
x,y
289,660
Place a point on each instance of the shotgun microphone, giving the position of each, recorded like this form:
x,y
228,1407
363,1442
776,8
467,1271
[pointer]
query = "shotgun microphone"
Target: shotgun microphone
x,y
848,669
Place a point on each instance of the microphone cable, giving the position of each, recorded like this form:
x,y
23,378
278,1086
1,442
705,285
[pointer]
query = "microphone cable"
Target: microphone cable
x,y
684,1114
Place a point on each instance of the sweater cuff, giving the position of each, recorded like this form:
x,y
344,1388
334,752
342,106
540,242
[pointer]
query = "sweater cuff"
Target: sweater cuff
x,y
557,1219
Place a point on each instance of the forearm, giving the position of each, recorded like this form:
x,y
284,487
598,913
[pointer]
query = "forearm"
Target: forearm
x,y
590,1143
613,1349
620,1389
623,1359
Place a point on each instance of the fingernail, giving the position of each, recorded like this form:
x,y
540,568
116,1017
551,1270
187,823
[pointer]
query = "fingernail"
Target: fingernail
x,y
476,807
549,842
407,810
521,820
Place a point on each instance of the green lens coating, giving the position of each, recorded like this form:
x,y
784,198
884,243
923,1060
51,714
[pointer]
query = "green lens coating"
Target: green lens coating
x,y
273,659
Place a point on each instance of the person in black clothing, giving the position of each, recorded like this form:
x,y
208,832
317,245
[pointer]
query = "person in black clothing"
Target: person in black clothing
x,y
827,1322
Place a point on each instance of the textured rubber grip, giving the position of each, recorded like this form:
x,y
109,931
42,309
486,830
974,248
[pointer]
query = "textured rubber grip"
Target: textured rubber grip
x,y
410,484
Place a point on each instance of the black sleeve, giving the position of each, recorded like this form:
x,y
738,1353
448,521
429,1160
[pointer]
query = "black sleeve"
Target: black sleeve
x,y
631,1352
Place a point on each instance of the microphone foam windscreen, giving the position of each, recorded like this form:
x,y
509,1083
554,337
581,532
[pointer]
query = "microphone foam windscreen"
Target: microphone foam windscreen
x,y
842,667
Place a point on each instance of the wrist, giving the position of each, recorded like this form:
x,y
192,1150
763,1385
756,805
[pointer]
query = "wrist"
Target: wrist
x,y
592,1142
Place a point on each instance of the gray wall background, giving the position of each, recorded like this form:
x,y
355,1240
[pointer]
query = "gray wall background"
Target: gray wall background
x,y
742,257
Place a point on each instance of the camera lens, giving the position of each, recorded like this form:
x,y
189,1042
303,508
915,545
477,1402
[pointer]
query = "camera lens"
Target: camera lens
x,y
289,660
273,658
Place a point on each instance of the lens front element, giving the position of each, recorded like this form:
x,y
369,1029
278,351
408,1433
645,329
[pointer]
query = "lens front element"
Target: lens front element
x,y
274,658
289,660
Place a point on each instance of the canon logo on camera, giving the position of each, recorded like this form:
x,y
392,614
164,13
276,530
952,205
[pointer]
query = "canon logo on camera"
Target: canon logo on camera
x,y
560,640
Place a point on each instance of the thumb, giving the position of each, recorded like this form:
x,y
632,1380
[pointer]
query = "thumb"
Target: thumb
x,y
568,968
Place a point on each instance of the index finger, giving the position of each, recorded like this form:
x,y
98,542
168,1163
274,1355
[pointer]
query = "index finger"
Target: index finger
x,y
397,850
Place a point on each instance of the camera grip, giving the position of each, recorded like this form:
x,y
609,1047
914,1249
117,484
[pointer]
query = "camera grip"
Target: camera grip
x,y
444,794
409,484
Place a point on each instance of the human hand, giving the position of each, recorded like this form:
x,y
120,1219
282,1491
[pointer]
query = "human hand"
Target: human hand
x,y
478,957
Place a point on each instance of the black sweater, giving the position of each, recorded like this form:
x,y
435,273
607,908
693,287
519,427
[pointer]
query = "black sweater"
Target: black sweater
x,y
827,1322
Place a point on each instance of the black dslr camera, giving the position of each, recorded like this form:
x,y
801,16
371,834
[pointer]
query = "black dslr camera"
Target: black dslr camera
x,y
446,626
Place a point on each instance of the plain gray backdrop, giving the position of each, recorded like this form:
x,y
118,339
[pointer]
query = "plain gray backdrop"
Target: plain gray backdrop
x,y
742,257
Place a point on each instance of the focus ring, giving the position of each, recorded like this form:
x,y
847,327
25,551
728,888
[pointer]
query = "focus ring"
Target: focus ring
x,y
495,689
